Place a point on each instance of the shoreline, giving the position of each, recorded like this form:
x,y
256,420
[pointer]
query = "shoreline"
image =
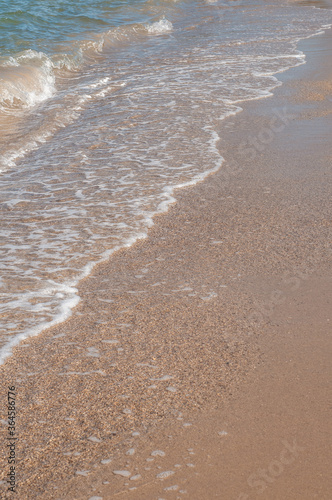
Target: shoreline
x,y
185,330
69,288
69,304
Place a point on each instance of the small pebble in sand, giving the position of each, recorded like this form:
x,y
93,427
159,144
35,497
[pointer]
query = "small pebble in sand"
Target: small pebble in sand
x,y
222,433
131,451
187,424
82,472
106,461
162,379
106,482
165,474
94,439
134,434
123,473
136,477
158,453
190,465
171,389
127,411
172,488
96,498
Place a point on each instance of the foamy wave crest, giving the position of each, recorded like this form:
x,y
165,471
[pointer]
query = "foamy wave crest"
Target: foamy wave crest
x,y
160,26
26,80
68,62
103,42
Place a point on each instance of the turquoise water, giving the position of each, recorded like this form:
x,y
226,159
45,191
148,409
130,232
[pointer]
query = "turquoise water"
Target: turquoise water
x,y
46,24
105,109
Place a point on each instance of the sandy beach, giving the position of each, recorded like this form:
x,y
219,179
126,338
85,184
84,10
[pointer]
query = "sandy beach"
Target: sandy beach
x,y
197,364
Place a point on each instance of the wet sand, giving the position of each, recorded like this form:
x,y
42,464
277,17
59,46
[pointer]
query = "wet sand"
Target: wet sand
x,y
197,363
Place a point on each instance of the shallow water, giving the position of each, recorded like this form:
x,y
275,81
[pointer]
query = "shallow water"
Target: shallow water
x,y
105,108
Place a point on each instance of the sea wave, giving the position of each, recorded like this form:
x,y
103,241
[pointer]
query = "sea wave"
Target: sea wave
x,y
26,80
30,77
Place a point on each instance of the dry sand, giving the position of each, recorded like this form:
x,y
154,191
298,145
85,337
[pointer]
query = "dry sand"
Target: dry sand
x,y
197,363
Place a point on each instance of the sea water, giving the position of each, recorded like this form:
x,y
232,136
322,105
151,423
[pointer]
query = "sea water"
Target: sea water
x,y
107,107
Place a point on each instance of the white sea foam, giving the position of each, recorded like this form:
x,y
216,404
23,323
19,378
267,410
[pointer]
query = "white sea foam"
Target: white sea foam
x,y
71,109
65,310
161,26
